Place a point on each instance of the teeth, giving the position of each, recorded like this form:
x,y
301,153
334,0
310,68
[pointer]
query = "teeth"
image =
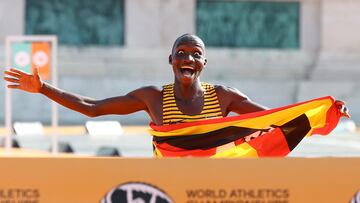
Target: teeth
x,y
187,67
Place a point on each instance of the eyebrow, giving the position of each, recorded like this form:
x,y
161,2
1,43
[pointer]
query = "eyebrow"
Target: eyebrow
x,y
197,47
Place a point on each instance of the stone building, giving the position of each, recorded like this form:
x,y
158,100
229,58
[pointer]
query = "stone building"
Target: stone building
x,y
277,52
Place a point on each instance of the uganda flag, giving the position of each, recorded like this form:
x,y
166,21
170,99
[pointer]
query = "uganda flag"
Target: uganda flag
x,y
269,133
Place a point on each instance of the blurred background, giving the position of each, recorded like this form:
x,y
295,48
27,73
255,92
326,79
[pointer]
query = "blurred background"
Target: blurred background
x,y
277,52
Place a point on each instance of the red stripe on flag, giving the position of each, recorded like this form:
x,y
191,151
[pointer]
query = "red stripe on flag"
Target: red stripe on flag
x,y
271,144
170,151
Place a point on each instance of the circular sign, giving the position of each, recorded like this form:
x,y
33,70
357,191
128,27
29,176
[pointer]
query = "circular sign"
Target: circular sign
x,y
40,58
22,58
136,192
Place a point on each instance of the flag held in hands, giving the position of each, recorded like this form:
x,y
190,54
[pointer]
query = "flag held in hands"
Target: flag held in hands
x,y
269,133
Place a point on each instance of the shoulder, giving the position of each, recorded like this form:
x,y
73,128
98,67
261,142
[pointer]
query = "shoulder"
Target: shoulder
x,y
150,89
226,91
146,92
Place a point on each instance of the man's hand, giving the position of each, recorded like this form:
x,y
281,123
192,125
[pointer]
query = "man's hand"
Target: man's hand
x,y
343,109
24,81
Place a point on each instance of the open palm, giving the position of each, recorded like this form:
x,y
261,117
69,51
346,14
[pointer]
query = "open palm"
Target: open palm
x,y
24,81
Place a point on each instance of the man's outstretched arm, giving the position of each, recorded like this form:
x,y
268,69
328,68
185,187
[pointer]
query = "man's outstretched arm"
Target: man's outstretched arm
x,y
126,104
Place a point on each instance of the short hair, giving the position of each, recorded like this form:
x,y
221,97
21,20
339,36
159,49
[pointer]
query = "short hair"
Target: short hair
x,y
189,37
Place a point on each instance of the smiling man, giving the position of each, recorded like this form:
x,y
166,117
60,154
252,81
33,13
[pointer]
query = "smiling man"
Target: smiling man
x,y
185,100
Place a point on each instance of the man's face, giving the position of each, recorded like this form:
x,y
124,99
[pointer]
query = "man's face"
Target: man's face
x,y
187,59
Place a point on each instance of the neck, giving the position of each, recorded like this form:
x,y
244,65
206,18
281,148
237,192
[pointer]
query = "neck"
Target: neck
x,y
188,92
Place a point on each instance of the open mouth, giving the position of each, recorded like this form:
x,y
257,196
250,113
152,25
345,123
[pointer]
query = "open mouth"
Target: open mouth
x,y
187,71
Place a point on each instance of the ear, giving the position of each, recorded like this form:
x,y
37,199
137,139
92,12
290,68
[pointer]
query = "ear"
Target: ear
x,y
170,59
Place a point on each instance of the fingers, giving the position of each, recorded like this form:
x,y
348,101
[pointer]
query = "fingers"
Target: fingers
x,y
345,112
12,77
12,74
14,80
17,71
35,70
342,108
13,86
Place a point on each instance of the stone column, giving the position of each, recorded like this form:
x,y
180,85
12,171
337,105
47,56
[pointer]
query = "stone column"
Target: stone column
x,y
340,41
11,22
310,25
11,18
157,23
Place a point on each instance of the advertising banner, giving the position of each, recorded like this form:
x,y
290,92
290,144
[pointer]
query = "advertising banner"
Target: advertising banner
x,y
28,55
267,180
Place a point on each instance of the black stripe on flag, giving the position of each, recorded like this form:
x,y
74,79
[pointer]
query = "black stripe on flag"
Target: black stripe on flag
x,y
295,130
207,140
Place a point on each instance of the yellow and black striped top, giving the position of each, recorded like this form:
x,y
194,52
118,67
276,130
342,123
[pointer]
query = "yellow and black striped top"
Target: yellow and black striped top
x,y
172,114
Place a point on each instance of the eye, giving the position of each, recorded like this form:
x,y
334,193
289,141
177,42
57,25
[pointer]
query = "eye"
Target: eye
x,y
180,52
197,54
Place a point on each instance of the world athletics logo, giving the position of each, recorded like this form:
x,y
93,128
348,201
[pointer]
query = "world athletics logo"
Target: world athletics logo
x,y
136,192
356,198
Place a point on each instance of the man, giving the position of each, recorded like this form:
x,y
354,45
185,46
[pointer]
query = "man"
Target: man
x,y
186,100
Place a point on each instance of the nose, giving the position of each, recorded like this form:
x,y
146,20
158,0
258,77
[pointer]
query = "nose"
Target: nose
x,y
189,57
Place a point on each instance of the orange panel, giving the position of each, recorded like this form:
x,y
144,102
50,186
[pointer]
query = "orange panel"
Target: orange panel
x,y
41,57
60,179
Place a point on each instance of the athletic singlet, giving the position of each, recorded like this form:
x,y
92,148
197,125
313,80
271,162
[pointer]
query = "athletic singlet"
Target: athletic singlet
x,y
172,114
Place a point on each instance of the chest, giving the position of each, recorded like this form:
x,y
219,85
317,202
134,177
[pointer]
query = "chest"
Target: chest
x,y
190,107
179,111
